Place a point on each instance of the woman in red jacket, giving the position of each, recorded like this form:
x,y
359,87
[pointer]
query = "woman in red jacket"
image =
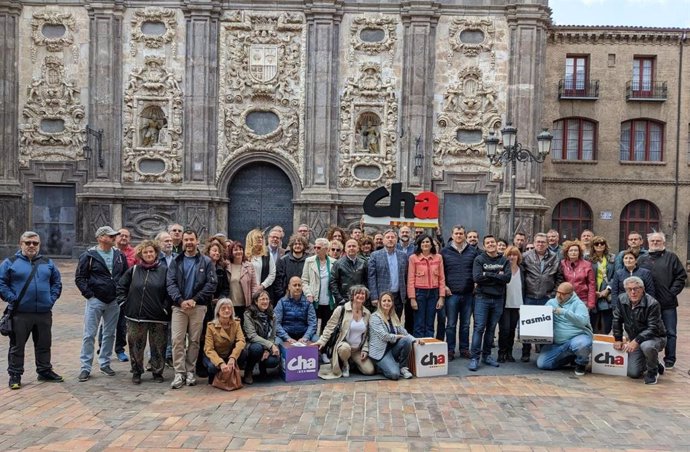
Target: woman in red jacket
x,y
579,273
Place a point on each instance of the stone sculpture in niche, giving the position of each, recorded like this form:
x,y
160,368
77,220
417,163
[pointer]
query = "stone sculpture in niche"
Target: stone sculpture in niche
x,y
368,137
157,19
152,124
262,86
52,127
54,31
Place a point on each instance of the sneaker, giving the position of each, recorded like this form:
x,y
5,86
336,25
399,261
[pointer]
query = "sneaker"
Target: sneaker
x,y
669,365
15,382
158,378
122,357
580,369
178,381
474,365
191,379
405,373
661,369
490,361
50,376
136,379
324,358
107,371
651,379
346,371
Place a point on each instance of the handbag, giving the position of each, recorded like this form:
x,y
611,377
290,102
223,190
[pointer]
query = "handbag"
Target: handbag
x,y
6,320
229,381
333,339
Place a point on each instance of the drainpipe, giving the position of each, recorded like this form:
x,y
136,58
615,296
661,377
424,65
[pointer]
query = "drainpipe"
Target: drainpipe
x,y
678,118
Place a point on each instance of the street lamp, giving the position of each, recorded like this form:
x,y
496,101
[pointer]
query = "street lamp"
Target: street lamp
x,y
515,152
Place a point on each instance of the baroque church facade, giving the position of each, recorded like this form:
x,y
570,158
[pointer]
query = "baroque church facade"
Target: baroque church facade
x,y
224,116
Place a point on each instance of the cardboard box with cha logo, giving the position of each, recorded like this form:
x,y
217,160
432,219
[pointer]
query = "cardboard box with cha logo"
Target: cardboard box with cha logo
x,y
430,359
606,359
536,324
299,363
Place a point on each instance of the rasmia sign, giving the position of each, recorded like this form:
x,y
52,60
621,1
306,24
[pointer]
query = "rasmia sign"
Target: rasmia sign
x,y
398,207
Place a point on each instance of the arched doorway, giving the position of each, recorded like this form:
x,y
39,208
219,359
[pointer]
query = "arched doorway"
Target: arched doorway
x,y
260,196
641,216
570,217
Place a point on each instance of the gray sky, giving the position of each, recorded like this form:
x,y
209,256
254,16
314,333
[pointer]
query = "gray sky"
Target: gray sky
x,y
640,13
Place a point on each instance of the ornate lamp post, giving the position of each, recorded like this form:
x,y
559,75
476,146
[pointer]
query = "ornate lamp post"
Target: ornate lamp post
x,y
515,152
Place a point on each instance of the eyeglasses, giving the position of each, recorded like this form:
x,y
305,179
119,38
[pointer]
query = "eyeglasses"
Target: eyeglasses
x,y
176,230
633,289
31,243
336,249
600,244
317,247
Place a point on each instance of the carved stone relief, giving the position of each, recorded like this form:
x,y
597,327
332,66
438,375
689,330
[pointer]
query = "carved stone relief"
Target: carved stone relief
x,y
368,129
152,144
145,220
373,35
154,27
54,31
471,36
262,86
52,127
468,114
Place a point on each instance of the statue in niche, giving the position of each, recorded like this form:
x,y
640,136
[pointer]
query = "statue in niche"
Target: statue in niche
x,y
369,133
153,127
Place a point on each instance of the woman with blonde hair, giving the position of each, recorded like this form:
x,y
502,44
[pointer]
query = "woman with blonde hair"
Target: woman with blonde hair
x,y
257,253
603,266
224,344
389,343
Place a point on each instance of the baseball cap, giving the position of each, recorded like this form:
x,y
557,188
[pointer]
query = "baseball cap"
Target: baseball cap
x,y
106,230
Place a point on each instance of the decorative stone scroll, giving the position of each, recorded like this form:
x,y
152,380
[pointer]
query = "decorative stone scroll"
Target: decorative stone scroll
x,y
469,113
471,36
262,86
373,35
52,127
368,135
152,146
163,29
54,31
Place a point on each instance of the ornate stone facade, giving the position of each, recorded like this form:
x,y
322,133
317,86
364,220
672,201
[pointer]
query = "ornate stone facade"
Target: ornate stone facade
x,y
54,31
162,29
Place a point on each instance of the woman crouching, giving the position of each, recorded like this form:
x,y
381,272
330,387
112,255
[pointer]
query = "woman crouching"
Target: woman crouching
x,y
224,344
389,344
260,326
352,343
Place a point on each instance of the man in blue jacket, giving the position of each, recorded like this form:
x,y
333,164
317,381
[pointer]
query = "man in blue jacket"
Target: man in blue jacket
x,y
31,302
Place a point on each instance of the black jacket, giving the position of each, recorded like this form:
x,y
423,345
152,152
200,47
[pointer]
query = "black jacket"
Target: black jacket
x,y
669,276
345,274
286,267
540,281
142,294
457,267
205,280
642,323
491,275
223,287
93,278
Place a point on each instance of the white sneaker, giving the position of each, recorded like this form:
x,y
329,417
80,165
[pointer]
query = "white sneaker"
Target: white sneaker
x,y
191,379
405,372
324,358
346,371
178,381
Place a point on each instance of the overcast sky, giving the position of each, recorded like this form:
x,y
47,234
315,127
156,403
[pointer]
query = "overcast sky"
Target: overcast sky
x,y
640,13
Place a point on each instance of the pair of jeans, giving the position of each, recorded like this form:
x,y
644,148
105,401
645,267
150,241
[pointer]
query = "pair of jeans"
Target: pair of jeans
x,y
670,318
646,358
506,330
555,356
527,348
255,352
487,312
458,306
38,325
94,311
426,312
186,322
395,358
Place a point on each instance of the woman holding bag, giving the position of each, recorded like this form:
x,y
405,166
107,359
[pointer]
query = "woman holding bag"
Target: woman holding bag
x,y
603,267
224,344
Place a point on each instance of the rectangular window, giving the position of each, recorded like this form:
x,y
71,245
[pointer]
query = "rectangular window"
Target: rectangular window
x,y
576,75
573,139
643,76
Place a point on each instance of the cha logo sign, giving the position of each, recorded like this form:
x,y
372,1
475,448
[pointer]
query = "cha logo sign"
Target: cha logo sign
x,y
300,364
608,359
403,208
433,360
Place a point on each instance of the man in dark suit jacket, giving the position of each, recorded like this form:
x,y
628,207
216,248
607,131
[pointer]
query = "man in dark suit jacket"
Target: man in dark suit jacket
x,y
382,279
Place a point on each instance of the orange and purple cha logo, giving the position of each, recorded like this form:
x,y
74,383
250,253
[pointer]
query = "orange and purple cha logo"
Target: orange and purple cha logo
x,y
417,210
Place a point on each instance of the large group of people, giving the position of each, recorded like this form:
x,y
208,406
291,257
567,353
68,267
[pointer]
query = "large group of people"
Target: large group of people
x,y
363,297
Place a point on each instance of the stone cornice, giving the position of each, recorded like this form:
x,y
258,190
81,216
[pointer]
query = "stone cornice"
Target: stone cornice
x,y
12,8
601,180
617,35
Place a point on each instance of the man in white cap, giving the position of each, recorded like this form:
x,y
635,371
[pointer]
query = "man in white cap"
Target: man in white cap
x,y
98,271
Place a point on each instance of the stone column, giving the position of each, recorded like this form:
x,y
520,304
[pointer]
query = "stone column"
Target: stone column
x,y
12,212
419,58
319,196
200,91
527,28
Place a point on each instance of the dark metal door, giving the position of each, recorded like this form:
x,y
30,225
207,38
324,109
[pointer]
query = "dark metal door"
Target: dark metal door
x,y
54,214
260,196
468,210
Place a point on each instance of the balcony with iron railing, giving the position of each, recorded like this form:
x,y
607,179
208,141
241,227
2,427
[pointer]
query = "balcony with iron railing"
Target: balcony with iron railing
x,y
646,91
571,90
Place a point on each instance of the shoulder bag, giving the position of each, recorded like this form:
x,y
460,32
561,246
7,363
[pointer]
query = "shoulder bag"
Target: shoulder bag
x,y
6,320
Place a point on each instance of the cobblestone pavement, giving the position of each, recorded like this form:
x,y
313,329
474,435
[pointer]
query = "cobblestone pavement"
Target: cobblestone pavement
x,y
514,408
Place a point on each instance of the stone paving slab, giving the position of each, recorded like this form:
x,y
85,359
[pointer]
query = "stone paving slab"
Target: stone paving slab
x,y
513,408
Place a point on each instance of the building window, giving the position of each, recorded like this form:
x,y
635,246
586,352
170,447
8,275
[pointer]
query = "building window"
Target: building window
x,y
570,217
640,216
573,139
576,75
642,140
643,76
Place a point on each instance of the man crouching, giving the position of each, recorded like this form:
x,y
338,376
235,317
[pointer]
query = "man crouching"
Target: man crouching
x,y
640,315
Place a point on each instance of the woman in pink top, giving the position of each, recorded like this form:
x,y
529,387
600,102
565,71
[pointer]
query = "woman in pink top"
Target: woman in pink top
x,y
426,284
579,273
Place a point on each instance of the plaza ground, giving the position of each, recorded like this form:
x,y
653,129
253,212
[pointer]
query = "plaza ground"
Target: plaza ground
x,y
513,408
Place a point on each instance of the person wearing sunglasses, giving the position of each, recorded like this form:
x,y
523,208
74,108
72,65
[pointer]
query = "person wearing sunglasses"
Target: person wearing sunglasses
x,y
603,267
